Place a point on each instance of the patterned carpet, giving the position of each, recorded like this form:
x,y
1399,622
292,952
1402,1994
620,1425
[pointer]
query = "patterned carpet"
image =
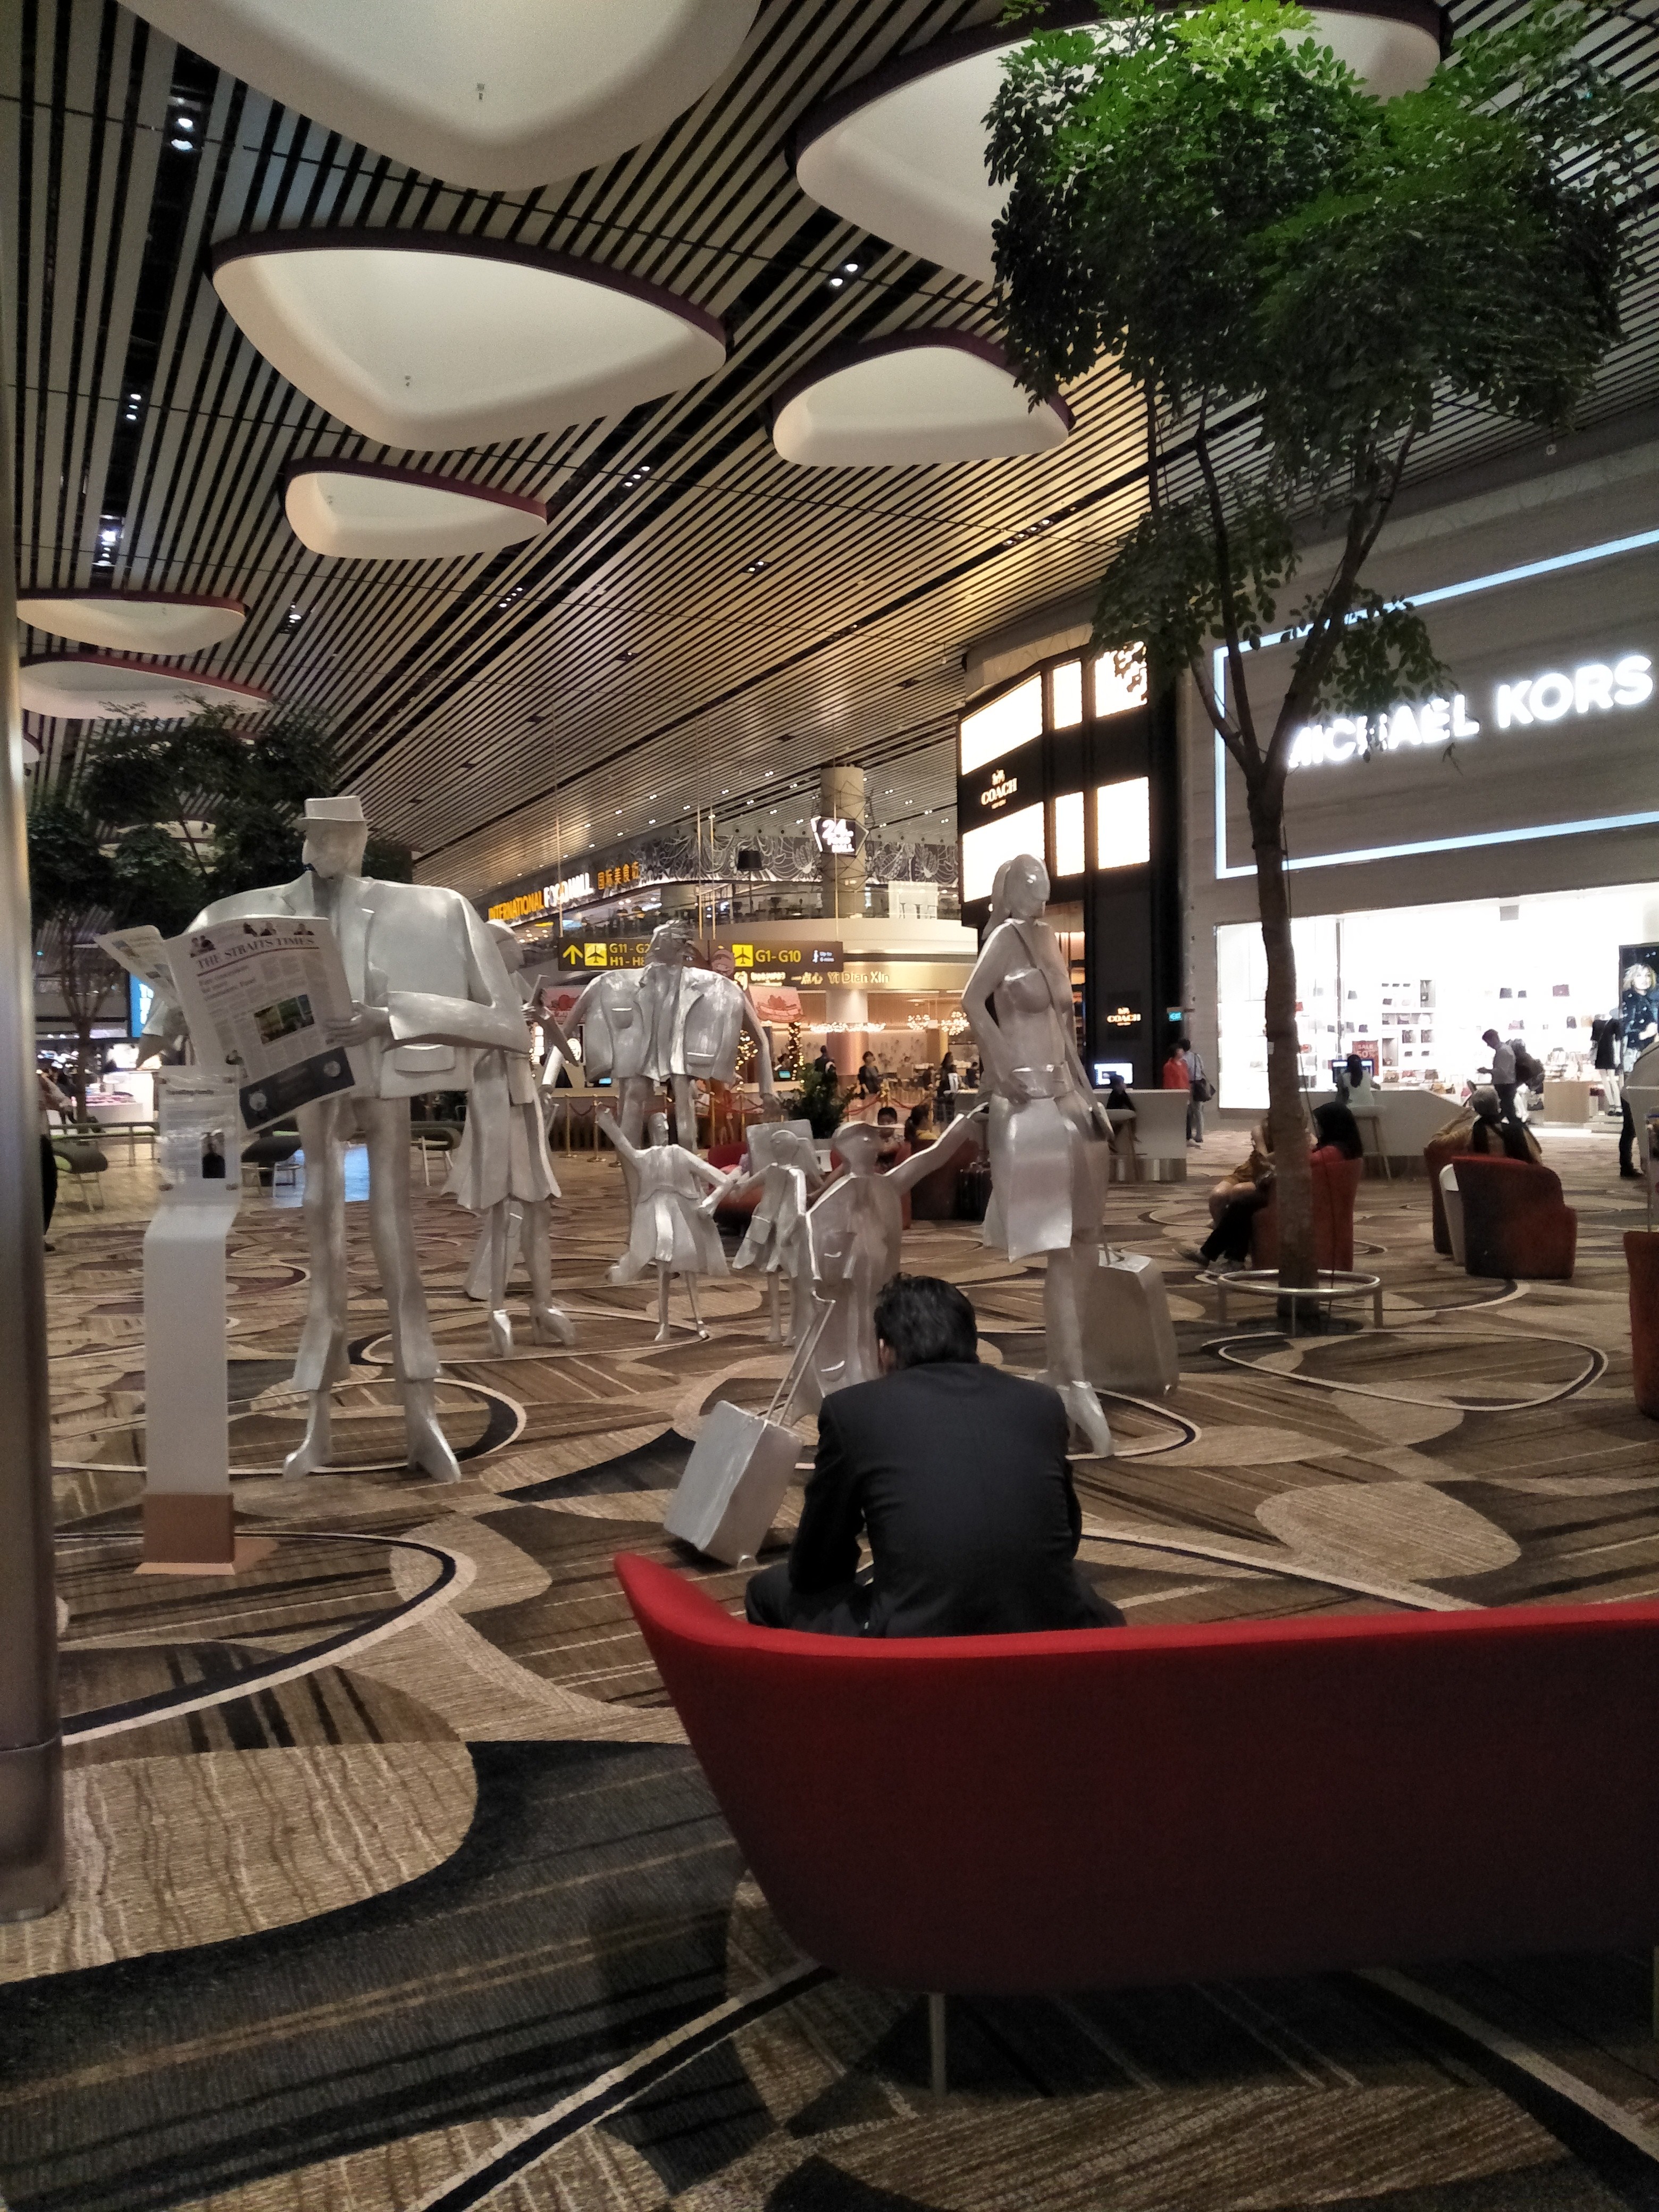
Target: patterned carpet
x,y
395,1886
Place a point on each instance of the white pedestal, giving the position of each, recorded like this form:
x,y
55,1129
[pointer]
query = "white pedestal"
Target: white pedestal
x,y
189,1522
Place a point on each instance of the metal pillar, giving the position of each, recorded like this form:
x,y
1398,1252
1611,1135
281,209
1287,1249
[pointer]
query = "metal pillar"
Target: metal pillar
x,y
31,1747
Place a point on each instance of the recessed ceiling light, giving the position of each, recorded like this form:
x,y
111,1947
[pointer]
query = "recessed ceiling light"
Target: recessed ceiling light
x,y
835,283
851,268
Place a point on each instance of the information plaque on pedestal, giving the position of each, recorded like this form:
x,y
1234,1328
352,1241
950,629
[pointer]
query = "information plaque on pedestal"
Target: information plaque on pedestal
x,y
189,1520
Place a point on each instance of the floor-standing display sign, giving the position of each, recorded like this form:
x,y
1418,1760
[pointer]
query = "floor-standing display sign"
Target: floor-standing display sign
x,y
189,1520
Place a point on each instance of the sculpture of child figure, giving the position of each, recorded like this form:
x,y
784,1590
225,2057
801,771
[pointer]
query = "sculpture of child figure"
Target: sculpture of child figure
x,y
784,1163
671,1227
855,1231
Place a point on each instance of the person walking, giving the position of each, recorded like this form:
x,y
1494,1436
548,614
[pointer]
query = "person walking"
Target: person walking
x,y
1199,1090
1607,1035
950,1082
1503,1071
1178,1075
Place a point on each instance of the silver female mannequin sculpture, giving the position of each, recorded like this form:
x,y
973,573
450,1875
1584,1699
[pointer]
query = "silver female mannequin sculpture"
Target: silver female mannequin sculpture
x,y
1050,1140
502,1173
670,1231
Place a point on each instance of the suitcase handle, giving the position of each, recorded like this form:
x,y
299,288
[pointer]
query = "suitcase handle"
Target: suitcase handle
x,y
783,1398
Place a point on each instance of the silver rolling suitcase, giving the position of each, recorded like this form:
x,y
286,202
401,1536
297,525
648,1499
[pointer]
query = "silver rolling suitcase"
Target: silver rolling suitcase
x,y
740,1467
1129,1341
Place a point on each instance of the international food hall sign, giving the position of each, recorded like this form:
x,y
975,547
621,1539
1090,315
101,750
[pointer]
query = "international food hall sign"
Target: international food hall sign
x,y
548,898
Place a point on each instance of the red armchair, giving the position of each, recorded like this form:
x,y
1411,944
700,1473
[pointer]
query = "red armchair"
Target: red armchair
x,y
1516,1223
1102,1808
1336,1181
735,1208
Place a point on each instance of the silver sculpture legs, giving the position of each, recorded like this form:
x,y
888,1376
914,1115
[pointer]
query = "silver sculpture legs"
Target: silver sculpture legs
x,y
664,1326
323,1359
525,1226
1065,1294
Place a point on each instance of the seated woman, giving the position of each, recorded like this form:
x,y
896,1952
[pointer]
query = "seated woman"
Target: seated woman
x,y
1491,1134
1237,1199
1242,1192
1336,1131
1355,1082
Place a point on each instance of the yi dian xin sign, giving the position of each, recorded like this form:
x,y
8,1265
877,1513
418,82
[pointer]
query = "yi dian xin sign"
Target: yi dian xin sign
x,y
1596,687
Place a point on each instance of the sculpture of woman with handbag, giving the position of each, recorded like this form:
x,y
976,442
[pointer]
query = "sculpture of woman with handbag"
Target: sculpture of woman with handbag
x,y
1050,1139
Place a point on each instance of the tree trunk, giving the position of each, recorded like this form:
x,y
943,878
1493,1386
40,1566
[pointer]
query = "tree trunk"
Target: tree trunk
x,y
84,1061
1286,1115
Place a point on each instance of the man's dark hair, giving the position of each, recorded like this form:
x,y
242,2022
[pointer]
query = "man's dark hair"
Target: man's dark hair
x,y
921,1319
887,1113
1183,1044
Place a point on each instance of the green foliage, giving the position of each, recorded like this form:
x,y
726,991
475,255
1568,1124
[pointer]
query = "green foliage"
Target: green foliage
x,y
1173,586
820,1099
70,874
1259,242
1145,167
1383,653
166,817
155,880
388,860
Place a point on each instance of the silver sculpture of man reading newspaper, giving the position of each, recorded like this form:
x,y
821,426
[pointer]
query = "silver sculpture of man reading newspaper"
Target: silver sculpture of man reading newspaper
x,y
427,991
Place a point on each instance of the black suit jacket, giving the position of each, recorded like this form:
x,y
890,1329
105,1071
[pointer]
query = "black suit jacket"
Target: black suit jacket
x,y
956,1474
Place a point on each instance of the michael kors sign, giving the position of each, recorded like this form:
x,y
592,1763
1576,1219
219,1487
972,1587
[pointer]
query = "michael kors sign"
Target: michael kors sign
x,y
1597,687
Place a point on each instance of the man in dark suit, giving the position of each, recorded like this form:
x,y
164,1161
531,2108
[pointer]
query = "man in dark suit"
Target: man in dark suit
x,y
956,1473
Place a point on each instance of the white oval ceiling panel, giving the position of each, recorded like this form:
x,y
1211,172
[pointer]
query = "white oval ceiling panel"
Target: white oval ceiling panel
x,y
926,396
428,342
88,687
1393,49
502,95
133,622
902,152
362,512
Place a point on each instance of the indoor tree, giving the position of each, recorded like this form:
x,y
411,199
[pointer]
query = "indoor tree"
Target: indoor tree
x,y
71,886
1296,279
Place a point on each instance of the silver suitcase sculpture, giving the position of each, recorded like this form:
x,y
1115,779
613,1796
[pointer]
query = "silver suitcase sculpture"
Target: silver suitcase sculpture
x,y
740,1469
1129,1341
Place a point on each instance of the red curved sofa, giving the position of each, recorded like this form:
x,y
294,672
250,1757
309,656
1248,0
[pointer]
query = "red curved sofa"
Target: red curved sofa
x,y
1336,1182
1102,1808
1516,1223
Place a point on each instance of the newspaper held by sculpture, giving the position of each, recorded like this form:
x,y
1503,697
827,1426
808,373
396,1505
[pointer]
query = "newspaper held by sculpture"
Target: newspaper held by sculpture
x,y
142,952
261,990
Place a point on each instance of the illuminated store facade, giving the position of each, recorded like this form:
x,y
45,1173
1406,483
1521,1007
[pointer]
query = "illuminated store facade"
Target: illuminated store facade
x,y
1486,858
1071,760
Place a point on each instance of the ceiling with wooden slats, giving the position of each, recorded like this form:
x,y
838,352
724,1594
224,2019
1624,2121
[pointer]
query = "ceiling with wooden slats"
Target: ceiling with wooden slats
x,y
702,625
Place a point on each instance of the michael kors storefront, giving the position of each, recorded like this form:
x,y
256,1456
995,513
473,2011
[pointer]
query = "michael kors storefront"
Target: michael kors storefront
x,y
1488,858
